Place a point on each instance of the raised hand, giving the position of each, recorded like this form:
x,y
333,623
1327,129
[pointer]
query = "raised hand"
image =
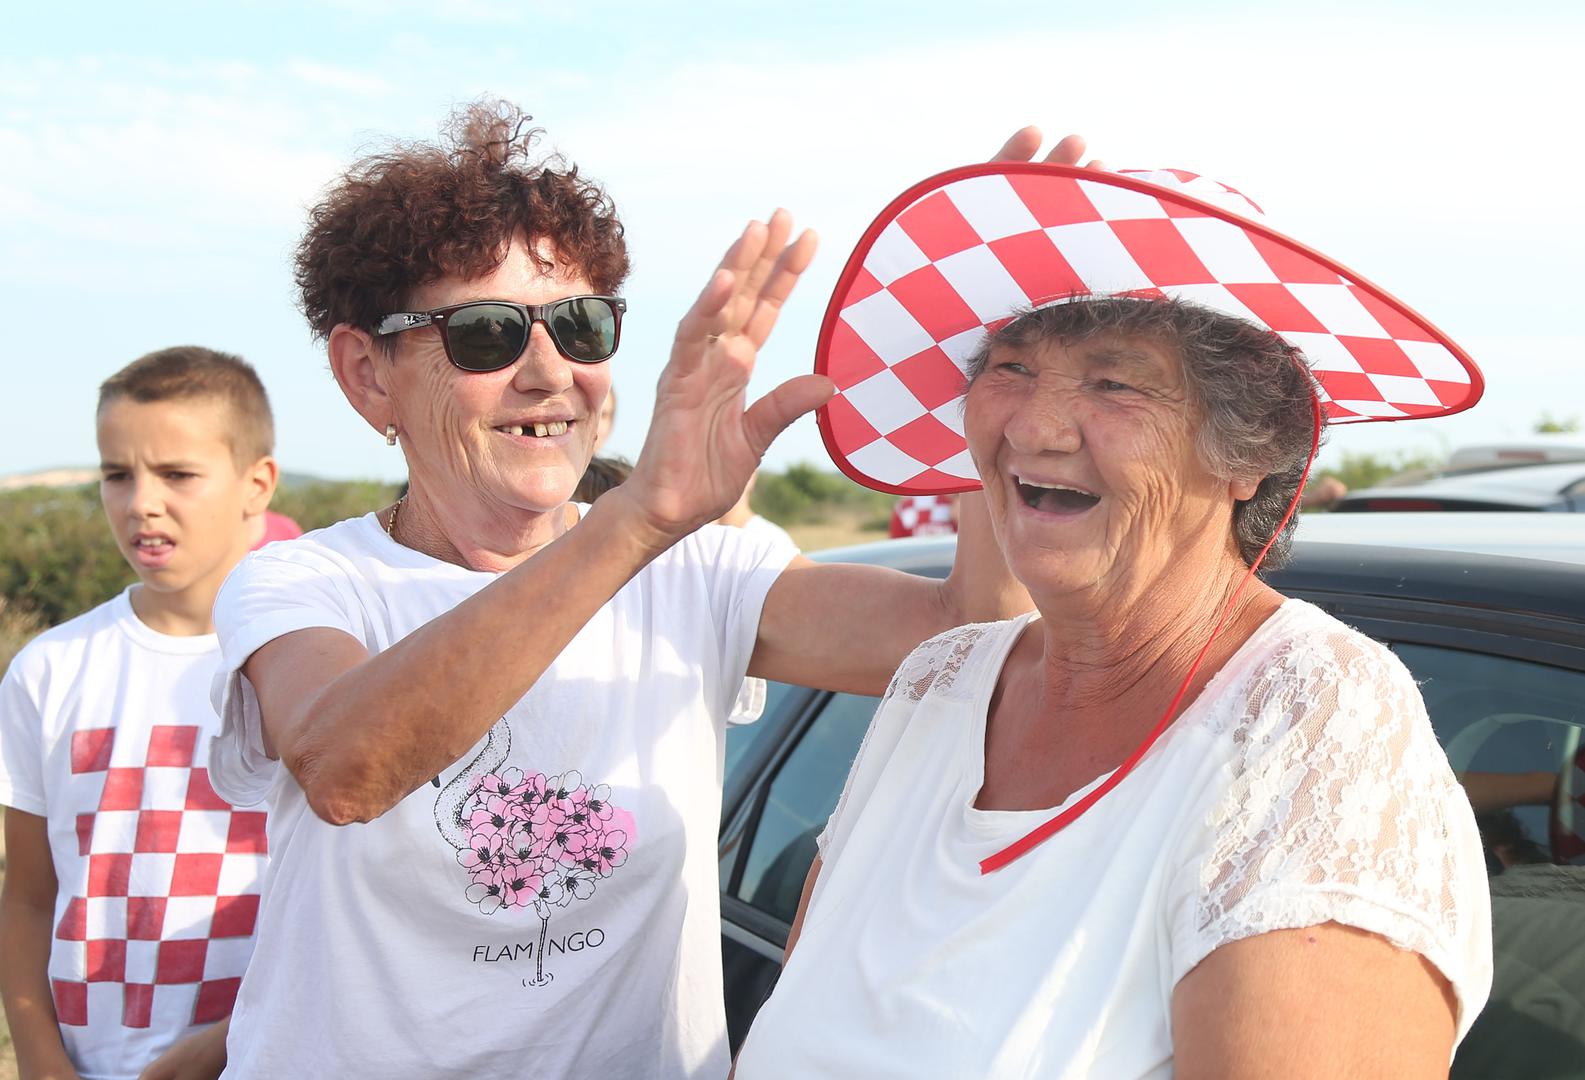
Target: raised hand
x,y
1025,143
703,443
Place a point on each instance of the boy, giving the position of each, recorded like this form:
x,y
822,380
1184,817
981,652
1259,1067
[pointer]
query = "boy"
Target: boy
x,y
128,909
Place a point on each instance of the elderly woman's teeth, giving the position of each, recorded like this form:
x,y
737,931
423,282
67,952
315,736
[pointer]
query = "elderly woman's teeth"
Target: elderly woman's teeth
x,y
1055,498
540,431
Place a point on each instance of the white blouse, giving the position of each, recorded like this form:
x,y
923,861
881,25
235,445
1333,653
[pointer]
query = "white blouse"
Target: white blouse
x,y
1304,785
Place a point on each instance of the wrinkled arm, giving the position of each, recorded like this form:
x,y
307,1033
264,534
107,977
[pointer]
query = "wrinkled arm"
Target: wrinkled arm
x,y
847,627
27,915
1321,1002
360,732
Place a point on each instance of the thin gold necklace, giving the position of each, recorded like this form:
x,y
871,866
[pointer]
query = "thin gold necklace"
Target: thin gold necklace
x,y
390,526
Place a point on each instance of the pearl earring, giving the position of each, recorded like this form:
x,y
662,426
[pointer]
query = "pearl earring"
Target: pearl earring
x,y
390,434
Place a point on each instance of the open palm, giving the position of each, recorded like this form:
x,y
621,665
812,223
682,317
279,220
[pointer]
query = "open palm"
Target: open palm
x,y
704,442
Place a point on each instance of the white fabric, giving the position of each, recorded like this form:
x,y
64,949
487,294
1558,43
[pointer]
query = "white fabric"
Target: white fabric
x,y
100,697
764,527
754,693
383,953
1304,785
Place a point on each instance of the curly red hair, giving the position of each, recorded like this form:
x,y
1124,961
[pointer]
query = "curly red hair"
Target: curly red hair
x,y
421,212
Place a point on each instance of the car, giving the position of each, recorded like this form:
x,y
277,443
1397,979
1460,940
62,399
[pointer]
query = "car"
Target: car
x,y
1487,610
1559,486
1530,450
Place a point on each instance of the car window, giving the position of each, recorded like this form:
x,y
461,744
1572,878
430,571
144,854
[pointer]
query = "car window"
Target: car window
x,y
1512,731
798,801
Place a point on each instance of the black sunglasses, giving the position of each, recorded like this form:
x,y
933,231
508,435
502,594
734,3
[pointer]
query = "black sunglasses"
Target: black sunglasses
x,y
488,335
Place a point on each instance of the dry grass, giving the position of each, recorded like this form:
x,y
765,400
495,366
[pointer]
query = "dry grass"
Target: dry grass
x,y
836,532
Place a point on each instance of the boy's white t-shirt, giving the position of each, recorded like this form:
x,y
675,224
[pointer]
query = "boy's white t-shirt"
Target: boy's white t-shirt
x,y
550,907
1304,785
105,728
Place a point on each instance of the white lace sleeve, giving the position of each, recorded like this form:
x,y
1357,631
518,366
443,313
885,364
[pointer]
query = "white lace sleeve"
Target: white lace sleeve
x,y
1341,807
933,667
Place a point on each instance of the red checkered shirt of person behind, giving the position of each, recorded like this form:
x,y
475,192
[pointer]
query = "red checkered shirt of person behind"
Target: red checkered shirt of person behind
x,y
104,731
925,515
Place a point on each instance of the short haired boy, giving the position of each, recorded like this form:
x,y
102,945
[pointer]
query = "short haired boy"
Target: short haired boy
x,y
131,893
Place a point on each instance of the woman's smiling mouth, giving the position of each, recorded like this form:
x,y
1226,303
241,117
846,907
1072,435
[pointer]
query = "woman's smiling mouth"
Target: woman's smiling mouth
x,y
1055,498
537,431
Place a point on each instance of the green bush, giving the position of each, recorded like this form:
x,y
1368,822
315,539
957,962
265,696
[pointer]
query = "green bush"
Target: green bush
x,y
57,558
318,503
17,628
804,494
1359,471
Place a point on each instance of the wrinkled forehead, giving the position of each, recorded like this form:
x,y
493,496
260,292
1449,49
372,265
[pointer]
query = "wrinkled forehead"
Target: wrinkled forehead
x,y
1134,356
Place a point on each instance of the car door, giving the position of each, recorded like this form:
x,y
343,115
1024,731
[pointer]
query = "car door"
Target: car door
x,y
787,785
1505,691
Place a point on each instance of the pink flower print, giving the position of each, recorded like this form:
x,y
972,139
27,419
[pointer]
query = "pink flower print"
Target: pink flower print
x,y
487,894
577,884
507,784
485,849
592,805
522,846
497,815
607,853
559,795
519,885
566,884
534,791
563,840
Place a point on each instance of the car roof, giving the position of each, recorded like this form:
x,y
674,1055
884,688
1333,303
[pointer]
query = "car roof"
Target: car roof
x,y
1517,561
1554,537
1519,486
1529,449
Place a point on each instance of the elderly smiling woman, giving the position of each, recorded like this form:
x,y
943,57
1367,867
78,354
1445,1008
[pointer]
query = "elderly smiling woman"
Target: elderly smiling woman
x,y
489,722
1288,883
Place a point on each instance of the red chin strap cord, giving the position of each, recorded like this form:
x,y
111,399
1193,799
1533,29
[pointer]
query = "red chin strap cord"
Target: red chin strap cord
x,y
1044,832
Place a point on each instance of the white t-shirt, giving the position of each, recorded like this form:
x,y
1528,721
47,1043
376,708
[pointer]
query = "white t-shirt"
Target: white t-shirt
x,y
759,525
104,732
563,919
1304,785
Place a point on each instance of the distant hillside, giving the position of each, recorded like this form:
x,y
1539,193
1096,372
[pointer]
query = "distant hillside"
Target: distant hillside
x,y
77,475
64,477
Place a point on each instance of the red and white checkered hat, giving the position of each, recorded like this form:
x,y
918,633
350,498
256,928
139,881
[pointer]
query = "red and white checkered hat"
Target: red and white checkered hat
x,y
965,250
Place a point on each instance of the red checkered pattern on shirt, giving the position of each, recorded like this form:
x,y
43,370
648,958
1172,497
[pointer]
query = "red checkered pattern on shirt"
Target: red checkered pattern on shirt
x,y
962,252
923,515
165,928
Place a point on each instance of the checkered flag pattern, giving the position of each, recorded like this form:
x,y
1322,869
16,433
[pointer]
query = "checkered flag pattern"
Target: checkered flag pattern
x,y
963,251
923,515
165,929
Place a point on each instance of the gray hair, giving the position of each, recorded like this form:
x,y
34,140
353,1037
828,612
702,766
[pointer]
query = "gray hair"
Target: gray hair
x,y
1249,388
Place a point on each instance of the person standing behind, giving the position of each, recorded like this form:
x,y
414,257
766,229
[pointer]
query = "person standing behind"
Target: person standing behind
x,y
924,515
742,516
128,911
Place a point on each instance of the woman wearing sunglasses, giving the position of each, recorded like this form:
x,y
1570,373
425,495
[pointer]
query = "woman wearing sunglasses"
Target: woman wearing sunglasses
x,y
488,721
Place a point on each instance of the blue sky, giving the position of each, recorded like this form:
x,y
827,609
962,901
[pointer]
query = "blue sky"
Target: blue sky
x,y
155,163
